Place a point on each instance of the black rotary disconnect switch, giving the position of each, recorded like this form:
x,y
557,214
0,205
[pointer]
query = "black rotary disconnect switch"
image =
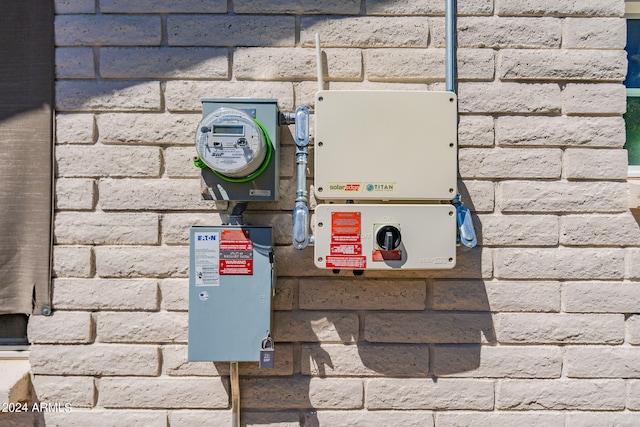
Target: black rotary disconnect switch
x,y
388,238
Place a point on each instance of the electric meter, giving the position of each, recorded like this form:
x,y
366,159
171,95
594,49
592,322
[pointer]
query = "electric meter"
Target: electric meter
x,y
233,145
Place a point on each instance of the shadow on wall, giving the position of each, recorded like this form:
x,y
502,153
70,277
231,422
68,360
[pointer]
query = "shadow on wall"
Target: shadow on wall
x,y
397,333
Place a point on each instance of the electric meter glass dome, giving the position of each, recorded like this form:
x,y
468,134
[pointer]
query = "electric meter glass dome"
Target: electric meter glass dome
x,y
231,143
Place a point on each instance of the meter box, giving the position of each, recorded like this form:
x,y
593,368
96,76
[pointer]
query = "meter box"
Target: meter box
x,y
237,143
231,276
385,145
383,237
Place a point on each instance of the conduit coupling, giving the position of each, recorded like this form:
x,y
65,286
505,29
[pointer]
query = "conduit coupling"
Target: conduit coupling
x,y
301,235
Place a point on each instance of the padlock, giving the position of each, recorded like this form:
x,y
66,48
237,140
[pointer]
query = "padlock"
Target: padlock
x,y
266,353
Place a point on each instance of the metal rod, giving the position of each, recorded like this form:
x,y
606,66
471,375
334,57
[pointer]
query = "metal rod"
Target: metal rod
x,y
450,31
235,395
319,63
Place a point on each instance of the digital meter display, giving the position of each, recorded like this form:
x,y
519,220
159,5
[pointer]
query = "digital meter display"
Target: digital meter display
x,y
228,130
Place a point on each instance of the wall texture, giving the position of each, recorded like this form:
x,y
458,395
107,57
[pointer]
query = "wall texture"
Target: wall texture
x,y
536,326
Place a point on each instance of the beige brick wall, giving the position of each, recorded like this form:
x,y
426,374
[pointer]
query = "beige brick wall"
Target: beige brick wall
x,y
538,325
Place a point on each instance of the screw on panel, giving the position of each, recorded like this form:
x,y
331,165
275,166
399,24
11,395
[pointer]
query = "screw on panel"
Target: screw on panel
x,y
45,310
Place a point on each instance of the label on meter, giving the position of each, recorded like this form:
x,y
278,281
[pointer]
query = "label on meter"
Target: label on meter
x,y
236,253
346,241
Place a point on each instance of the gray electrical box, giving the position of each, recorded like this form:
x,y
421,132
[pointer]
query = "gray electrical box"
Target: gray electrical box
x,y
231,276
238,144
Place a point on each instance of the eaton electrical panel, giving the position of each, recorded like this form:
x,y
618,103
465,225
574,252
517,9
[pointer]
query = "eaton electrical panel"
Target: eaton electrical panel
x,y
231,277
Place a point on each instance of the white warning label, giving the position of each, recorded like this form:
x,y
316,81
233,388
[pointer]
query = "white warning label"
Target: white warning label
x,y
207,255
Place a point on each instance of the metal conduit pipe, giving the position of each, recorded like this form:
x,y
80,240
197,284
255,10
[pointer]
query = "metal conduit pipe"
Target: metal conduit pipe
x,y
450,45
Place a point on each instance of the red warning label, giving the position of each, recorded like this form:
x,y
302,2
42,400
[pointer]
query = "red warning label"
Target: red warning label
x,y
236,253
346,246
346,261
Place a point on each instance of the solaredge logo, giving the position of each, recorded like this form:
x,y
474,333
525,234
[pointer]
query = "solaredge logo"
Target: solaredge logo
x,y
352,187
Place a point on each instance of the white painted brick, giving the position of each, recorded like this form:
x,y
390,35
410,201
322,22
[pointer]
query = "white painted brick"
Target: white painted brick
x,y
95,359
105,294
300,392
498,32
175,363
74,194
595,164
240,30
363,359
427,7
498,419
602,362
416,65
561,131
139,327
174,294
75,63
369,31
295,64
394,393
187,418
504,163
371,418
601,297
563,64
175,393
74,6
427,327
135,128
175,226
315,326
496,296
633,398
479,196
97,160
509,98
79,392
596,419
141,261
559,7
317,294
594,33
151,194
164,63
519,230
163,6
578,98
530,196
72,261
559,263
61,327
305,7
178,162
81,95
75,129
106,418
560,394
185,96
497,362
107,30
113,228
553,328
633,263
633,329
599,230
475,131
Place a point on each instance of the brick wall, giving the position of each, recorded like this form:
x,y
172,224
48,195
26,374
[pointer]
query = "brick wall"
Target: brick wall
x,y
536,326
